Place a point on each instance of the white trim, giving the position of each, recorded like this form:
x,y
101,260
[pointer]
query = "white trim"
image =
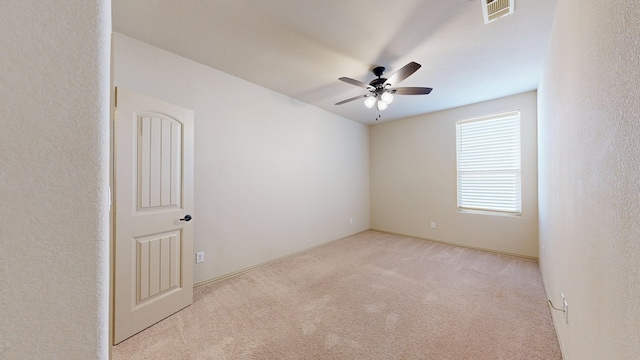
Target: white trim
x,y
488,164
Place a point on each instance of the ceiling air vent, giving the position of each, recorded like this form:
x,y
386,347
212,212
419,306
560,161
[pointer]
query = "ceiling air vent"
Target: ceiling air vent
x,y
495,9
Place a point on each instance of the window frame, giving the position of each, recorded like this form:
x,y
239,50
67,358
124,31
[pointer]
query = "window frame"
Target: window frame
x,y
511,174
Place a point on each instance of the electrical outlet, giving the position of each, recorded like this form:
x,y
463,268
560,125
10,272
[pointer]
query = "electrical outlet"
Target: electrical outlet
x,y
351,221
433,224
199,257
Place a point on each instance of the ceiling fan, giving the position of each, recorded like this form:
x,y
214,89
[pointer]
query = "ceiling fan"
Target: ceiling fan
x,y
381,90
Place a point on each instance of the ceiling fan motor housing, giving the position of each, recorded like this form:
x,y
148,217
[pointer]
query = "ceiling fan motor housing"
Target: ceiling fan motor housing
x,y
378,83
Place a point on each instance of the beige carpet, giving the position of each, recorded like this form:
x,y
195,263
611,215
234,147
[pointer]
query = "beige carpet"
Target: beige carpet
x,y
370,296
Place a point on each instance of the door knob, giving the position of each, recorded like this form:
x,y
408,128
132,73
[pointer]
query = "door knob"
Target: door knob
x,y
187,217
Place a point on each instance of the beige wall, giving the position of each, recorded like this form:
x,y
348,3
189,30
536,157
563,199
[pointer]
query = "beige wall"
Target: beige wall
x,y
54,95
589,142
413,180
273,175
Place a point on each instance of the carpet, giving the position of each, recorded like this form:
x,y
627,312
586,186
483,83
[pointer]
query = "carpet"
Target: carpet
x,y
370,296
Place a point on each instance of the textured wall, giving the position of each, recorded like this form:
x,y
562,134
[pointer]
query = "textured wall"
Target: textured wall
x,y
272,175
413,180
589,177
54,96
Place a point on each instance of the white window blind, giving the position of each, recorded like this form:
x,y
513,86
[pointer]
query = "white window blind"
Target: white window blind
x,y
488,155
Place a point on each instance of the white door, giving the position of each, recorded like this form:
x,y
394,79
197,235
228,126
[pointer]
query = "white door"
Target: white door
x,y
153,205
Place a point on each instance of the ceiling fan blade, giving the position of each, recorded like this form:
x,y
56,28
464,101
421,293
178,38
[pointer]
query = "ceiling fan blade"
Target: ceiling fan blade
x,y
355,82
411,90
351,99
403,73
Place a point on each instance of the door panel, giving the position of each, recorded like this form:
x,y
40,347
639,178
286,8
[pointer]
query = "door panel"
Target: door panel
x,y
157,272
159,162
153,191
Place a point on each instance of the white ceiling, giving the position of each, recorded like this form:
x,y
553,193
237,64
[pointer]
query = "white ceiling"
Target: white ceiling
x,y
301,47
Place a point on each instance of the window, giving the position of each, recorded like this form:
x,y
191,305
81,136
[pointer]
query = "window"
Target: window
x,y
488,156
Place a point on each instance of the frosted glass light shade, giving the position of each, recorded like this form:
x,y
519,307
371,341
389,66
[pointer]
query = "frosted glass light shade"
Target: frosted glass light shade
x,y
370,101
387,98
381,105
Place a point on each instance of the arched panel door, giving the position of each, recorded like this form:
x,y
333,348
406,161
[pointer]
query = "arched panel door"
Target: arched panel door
x,y
153,180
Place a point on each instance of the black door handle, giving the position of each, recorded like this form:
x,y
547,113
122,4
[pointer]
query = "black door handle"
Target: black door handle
x,y
187,217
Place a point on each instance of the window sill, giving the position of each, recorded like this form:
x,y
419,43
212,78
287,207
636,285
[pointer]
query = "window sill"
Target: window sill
x,y
489,212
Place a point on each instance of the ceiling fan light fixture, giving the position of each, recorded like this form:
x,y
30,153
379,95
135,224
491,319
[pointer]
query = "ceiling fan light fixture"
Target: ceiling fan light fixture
x,y
381,105
387,98
369,101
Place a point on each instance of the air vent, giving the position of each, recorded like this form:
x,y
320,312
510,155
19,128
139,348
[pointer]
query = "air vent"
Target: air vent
x,y
495,9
